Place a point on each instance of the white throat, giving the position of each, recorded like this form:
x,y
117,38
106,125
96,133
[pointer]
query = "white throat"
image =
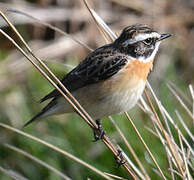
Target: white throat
x,y
151,57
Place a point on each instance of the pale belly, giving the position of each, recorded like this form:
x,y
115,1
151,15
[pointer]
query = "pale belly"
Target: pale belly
x,y
100,105
118,102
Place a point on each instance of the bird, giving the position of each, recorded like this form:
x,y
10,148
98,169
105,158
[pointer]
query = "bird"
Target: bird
x,y
112,78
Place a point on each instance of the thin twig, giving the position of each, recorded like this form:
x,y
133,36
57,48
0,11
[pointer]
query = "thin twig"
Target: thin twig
x,y
180,101
78,108
176,127
51,27
180,93
56,149
184,125
114,176
146,147
192,96
38,161
103,28
167,137
144,175
187,174
12,174
45,75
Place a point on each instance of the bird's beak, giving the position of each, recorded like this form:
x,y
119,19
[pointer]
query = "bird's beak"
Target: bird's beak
x,y
164,36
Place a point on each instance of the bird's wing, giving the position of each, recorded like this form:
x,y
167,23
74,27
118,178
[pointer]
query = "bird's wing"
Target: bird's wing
x,y
98,65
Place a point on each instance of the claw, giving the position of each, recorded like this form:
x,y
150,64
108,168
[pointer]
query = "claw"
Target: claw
x,y
119,162
99,132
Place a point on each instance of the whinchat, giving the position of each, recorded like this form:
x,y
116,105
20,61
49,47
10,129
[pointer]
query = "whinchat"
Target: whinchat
x,y
110,79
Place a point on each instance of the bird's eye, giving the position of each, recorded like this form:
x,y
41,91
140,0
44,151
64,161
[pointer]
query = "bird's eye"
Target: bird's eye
x,y
148,41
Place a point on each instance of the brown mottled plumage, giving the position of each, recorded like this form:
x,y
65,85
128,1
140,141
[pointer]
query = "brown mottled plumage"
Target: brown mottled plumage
x,y
112,78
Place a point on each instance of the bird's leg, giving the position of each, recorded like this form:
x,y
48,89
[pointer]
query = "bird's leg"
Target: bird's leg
x,y
119,162
99,132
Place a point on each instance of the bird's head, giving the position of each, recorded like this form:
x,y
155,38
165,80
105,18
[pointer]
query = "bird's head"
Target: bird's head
x,y
140,42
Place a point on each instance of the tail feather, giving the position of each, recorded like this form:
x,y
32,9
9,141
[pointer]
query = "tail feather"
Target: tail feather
x,y
49,96
43,113
33,119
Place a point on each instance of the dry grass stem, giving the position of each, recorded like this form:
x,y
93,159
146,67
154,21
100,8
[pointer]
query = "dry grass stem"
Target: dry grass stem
x,y
184,125
114,176
169,141
192,96
180,101
12,174
180,93
146,147
107,33
37,160
179,151
174,148
55,148
142,176
177,129
78,108
186,174
45,75
51,27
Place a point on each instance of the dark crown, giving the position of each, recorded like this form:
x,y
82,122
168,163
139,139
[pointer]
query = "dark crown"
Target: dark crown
x,y
130,32
139,41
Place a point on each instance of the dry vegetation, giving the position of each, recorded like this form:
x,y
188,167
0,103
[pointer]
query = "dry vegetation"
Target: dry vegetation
x,y
156,139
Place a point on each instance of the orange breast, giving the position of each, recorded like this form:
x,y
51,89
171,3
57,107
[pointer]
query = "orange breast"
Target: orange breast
x,y
139,69
129,77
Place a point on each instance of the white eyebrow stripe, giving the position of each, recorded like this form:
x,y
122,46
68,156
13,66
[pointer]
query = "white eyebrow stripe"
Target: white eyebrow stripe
x,y
141,37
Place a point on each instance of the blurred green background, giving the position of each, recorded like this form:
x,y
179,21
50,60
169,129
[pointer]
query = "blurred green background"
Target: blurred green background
x,y
22,86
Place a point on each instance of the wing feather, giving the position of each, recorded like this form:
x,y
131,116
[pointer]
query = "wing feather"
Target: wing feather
x,y
98,65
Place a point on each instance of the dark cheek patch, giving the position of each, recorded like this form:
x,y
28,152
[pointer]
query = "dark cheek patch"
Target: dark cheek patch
x,y
137,50
140,49
149,51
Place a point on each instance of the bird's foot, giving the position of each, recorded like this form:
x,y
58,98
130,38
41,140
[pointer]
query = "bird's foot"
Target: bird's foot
x,y
99,132
121,161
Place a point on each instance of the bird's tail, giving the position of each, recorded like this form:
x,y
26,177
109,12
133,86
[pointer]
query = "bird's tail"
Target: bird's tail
x,y
46,111
40,114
